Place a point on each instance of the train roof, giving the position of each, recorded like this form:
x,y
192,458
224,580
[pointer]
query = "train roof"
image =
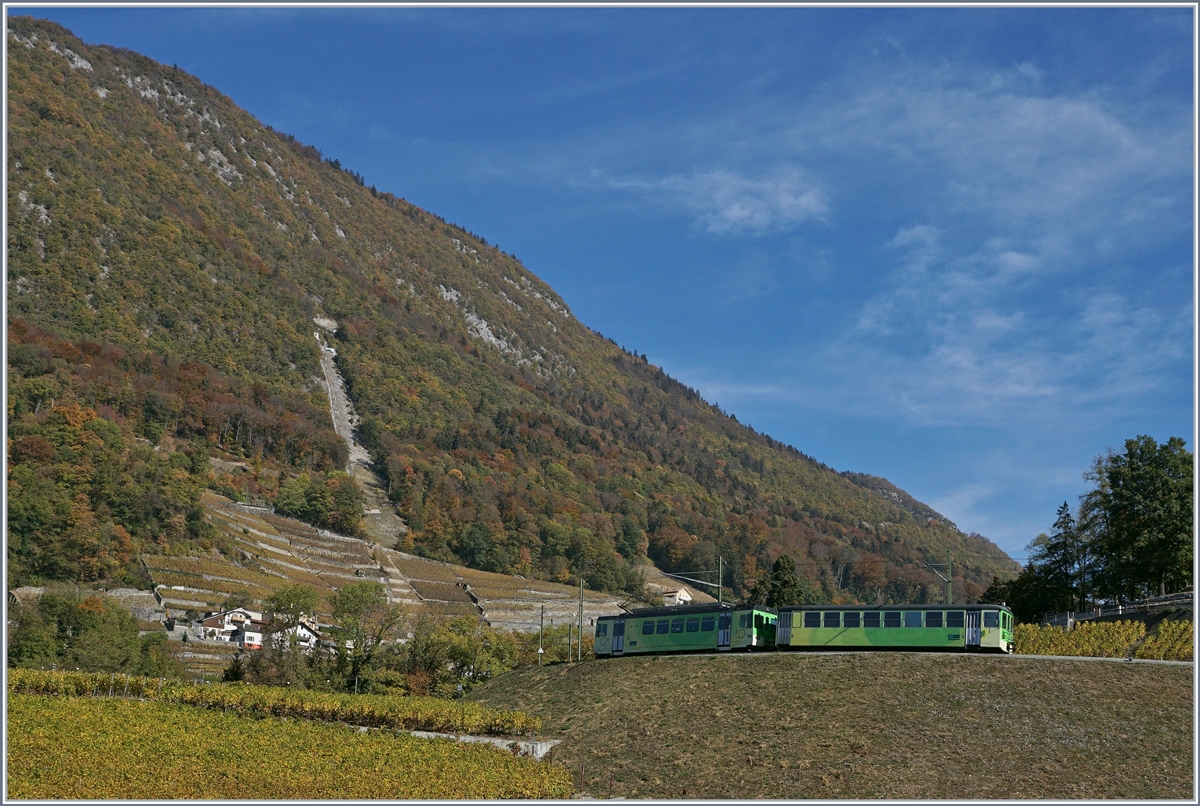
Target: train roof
x,y
687,610
794,608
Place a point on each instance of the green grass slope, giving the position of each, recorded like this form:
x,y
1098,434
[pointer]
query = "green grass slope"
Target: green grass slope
x,y
894,725
168,256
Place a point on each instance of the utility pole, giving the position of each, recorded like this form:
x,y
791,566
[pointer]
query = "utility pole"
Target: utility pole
x,y
541,629
581,617
720,580
949,582
570,646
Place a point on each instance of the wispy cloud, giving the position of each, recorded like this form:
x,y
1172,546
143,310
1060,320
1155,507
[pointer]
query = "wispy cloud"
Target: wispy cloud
x,y
727,201
998,142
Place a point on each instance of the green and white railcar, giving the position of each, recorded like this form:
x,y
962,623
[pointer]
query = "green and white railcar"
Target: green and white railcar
x,y
686,628
965,628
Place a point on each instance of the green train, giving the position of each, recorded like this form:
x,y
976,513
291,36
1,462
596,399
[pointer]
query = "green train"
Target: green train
x,y
722,627
686,628
966,628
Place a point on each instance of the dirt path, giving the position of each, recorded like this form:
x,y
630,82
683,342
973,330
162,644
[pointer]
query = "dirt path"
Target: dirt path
x,y
383,524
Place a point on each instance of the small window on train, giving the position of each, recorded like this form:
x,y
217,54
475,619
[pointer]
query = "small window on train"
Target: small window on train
x,y
991,618
601,630
677,625
891,618
933,619
647,628
744,620
833,618
954,618
812,619
707,624
852,619
693,625
663,626
871,619
912,618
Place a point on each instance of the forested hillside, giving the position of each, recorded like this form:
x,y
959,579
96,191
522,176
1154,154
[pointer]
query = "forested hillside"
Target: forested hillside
x,y
169,260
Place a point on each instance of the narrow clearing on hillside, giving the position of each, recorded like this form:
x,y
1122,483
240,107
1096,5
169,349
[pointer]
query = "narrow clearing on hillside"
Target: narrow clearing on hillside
x,y
380,520
869,725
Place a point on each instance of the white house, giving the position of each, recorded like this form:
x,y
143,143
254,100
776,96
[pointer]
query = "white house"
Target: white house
x,y
248,639
223,625
307,636
677,597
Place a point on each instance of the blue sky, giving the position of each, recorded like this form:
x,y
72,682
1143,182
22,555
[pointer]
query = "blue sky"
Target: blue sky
x,y
950,247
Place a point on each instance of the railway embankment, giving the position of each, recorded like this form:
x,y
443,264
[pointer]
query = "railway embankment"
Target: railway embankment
x,y
897,725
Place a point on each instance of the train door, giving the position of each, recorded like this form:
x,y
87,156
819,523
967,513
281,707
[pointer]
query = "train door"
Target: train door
x,y
972,628
723,629
618,637
783,629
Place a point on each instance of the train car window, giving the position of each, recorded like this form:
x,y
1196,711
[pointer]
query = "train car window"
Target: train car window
x,y
662,627
707,624
833,618
991,618
812,619
912,618
693,625
871,619
891,618
954,618
677,625
744,620
647,628
851,619
933,619
601,630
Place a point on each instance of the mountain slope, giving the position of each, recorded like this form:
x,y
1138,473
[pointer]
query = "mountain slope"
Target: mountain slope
x,y
150,216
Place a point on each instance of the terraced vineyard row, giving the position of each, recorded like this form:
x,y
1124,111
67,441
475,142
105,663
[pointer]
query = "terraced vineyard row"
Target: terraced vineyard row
x,y
274,551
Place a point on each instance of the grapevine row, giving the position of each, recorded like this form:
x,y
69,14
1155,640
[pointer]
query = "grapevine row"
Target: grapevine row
x,y
378,711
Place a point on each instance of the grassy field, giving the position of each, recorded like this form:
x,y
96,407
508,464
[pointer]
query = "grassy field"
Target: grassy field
x,y
85,748
868,725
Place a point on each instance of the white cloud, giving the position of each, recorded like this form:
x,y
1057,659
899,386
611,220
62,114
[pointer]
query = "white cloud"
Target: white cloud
x,y
998,143
726,201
